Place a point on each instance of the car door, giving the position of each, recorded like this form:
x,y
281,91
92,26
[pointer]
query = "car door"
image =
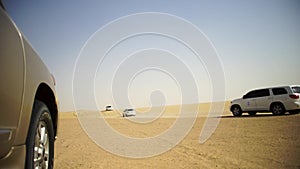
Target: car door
x,y
12,80
280,94
249,101
263,99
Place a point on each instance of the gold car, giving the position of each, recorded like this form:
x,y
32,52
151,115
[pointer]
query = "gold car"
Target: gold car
x,y
28,107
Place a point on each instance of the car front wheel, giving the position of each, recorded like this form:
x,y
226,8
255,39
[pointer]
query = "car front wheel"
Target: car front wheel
x,y
236,110
40,139
278,109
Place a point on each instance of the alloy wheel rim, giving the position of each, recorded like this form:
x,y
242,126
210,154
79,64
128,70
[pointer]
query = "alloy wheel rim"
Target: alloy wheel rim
x,y
41,147
277,109
236,111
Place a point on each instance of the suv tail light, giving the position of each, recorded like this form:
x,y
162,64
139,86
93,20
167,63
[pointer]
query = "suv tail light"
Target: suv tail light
x,y
294,96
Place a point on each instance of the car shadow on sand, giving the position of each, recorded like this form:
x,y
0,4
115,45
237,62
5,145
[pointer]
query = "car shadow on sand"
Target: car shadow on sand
x,y
263,115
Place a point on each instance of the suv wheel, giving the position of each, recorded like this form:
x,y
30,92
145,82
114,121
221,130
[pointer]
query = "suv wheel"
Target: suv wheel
x,y
236,110
252,113
40,139
277,109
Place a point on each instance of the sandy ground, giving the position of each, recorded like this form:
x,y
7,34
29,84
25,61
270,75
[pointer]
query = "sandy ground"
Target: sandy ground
x,y
263,141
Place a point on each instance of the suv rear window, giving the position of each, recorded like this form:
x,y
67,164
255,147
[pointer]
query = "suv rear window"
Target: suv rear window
x,y
296,89
279,91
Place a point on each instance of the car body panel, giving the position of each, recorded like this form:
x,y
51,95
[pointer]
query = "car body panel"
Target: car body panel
x,y
263,103
12,81
24,78
15,158
36,74
248,104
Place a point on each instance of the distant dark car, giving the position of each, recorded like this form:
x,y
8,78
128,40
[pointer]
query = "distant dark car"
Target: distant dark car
x,y
28,115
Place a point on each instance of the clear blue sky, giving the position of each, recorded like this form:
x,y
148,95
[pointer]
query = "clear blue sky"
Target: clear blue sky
x,y
258,42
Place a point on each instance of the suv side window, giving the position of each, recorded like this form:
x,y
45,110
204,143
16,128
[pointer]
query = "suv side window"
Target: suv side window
x,y
257,93
250,94
279,91
262,93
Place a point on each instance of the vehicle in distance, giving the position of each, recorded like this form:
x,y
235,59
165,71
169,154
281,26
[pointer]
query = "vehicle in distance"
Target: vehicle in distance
x,y
108,108
277,100
129,112
28,115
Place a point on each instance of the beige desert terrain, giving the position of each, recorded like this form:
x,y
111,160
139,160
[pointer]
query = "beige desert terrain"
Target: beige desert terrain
x,y
261,141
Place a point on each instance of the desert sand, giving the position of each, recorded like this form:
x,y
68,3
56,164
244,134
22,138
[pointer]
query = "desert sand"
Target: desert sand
x,y
261,141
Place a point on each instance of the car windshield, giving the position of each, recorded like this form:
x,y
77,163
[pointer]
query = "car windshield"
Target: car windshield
x,y
296,89
129,109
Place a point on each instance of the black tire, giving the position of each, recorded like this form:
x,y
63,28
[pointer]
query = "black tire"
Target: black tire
x,y
40,138
277,109
252,113
236,110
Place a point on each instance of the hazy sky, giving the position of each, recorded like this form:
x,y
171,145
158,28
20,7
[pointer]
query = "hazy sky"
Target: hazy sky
x,y
258,43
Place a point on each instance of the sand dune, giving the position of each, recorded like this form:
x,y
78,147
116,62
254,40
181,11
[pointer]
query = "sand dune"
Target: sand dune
x,y
263,141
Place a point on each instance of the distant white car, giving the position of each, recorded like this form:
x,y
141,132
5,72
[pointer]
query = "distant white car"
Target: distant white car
x,y
277,100
128,112
108,108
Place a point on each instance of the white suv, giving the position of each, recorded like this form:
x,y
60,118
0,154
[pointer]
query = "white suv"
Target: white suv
x,y
128,112
277,100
